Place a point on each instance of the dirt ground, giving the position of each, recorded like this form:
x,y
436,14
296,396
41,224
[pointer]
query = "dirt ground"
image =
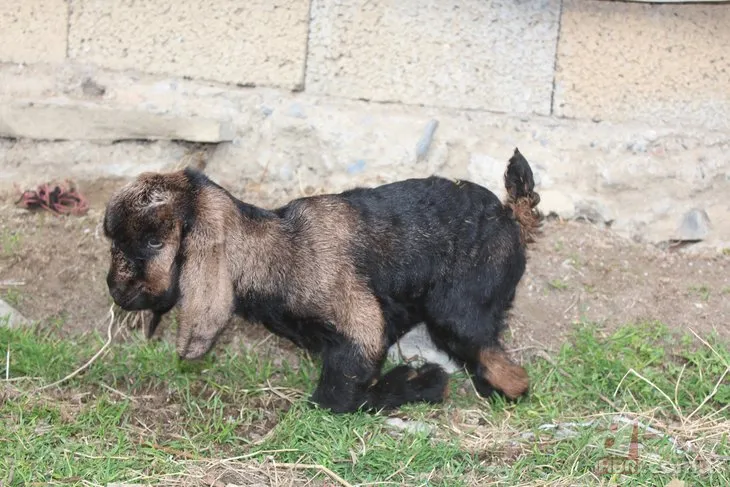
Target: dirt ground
x,y
53,268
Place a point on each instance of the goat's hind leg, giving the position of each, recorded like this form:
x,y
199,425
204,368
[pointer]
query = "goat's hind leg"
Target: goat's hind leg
x,y
350,381
471,336
494,369
350,378
403,384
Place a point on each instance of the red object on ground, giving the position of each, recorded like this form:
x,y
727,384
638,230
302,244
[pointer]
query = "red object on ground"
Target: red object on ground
x,y
61,200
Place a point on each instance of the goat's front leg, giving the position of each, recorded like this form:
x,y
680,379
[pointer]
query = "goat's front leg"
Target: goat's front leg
x,y
346,376
351,361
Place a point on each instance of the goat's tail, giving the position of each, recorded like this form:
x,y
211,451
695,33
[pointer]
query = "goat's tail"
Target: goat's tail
x,y
522,197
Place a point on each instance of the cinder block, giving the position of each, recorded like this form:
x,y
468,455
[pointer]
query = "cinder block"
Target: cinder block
x,y
33,31
474,54
665,64
256,42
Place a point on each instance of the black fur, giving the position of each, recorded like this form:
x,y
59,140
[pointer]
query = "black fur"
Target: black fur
x,y
444,253
447,253
434,250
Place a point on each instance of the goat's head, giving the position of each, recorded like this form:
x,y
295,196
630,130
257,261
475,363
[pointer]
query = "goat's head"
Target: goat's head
x,y
167,233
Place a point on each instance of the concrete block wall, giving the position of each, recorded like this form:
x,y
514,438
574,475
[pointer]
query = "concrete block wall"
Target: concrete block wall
x,y
592,59
623,107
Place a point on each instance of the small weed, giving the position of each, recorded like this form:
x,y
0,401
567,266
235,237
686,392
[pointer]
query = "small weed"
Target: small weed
x,y
13,297
726,251
558,284
703,292
575,261
9,242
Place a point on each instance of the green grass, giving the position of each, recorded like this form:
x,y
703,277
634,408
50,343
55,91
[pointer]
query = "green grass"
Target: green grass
x,y
9,242
139,413
558,285
702,292
13,297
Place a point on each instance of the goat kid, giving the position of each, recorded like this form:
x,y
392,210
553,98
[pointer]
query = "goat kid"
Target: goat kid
x,y
342,275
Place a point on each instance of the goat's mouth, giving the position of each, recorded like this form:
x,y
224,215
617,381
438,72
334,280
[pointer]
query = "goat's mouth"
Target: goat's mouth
x,y
130,301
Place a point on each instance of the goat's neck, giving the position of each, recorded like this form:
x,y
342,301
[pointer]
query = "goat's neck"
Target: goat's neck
x,y
259,250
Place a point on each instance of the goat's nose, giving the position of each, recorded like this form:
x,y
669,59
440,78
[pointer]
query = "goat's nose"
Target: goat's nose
x,y
116,288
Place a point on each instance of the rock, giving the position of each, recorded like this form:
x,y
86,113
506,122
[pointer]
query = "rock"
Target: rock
x,y
424,143
695,225
409,426
12,315
417,343
638,145
91,88
593,211
356,167
487,170
541,176
556,203
296,110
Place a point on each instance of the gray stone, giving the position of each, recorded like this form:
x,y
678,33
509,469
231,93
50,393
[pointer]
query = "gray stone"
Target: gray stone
x,y
91,88
424,143
296,110
11,316
593,211
695,225
556,203
417,344
409,426
487,170
22,160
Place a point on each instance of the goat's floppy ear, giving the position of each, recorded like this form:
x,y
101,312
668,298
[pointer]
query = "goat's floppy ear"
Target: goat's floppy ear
x,y
206,286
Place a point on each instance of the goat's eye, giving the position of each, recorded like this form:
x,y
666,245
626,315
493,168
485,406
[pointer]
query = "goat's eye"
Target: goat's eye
x,y
153,243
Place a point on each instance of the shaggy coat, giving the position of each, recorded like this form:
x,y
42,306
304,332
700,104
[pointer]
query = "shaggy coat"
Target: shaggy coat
x,y
342,275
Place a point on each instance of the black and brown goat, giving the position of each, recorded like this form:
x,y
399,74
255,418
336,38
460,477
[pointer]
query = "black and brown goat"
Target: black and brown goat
x,y
343,275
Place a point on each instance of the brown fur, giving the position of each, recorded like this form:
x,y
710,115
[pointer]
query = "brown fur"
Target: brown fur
x,y
504,374
160,268
206,280
522,198
530,219
226,255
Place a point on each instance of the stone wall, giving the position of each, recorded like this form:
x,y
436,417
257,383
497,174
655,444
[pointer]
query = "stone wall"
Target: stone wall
x,y
622,108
